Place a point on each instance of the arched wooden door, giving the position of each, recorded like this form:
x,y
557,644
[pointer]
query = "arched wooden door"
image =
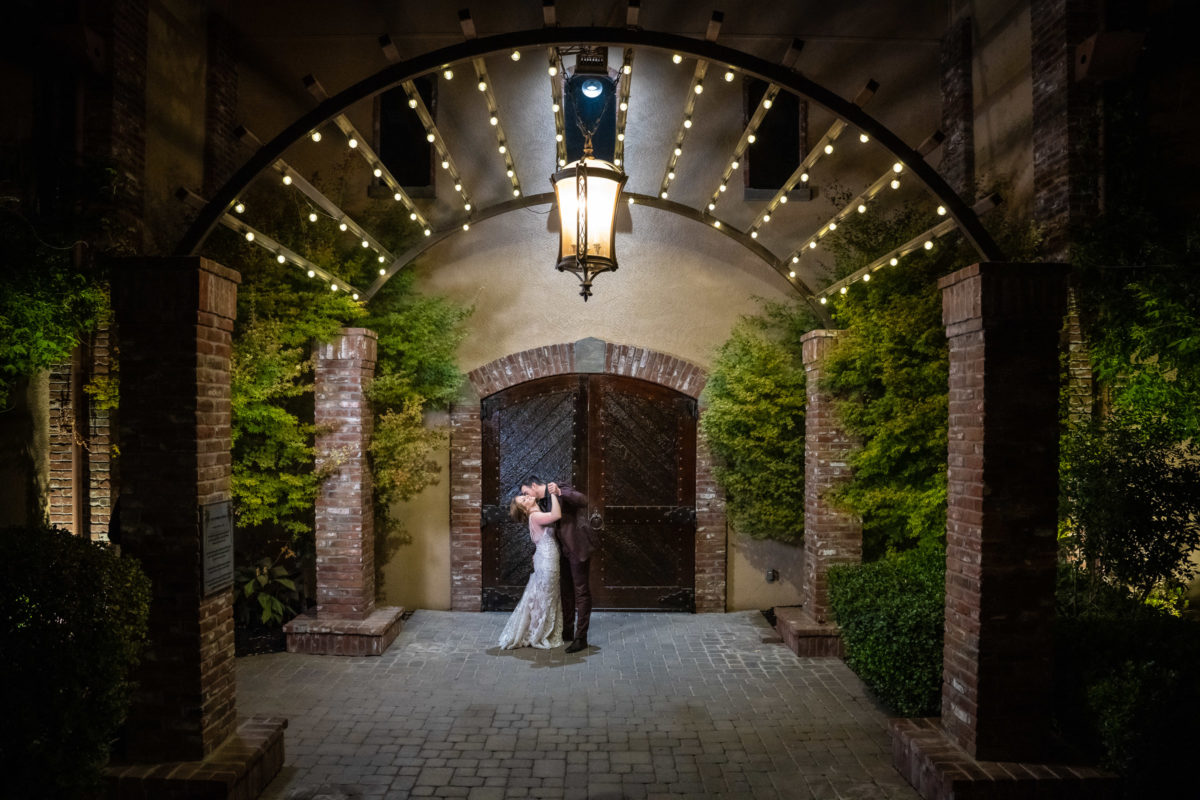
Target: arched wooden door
x,y
630,446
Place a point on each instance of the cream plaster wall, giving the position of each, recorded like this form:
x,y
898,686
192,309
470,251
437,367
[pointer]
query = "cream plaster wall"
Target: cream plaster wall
x,y
749,560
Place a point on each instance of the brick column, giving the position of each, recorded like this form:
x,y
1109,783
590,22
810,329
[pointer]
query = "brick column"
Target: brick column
x,y
958,109
1003,322
347,621
176,321
100,467
831,536
711,532
466,498
61,488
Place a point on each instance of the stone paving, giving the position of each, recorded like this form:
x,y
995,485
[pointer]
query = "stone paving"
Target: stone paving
x,y
661,705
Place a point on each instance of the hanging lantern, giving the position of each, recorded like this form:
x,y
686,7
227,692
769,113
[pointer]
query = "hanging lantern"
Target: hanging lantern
x,y
587,192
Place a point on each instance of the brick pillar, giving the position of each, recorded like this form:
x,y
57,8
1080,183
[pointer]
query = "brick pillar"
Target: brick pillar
x,y
466,498
831,536
61,489
100,472
958,109
345,516
711,532
1003,322
221,145
347,621
176,321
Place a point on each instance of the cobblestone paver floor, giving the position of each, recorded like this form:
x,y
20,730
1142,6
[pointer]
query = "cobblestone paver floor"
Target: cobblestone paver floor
x,y
662,705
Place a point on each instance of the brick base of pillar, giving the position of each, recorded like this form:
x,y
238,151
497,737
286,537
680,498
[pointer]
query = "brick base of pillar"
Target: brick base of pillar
x,y
806,637
940,770
240,768
334,636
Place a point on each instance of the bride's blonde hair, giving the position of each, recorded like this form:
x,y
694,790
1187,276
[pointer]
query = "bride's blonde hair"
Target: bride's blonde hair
x,y
516,511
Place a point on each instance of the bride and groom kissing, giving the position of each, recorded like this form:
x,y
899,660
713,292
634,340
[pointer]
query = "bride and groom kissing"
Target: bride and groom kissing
x,y
557,603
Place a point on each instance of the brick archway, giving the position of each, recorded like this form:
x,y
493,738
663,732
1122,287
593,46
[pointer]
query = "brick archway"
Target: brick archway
x,y
586,355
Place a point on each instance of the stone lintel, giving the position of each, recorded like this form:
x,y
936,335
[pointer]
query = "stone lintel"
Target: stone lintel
x,y
940,770
334,636
241,767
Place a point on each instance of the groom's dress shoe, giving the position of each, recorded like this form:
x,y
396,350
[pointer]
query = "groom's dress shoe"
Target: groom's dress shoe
x,y
577,645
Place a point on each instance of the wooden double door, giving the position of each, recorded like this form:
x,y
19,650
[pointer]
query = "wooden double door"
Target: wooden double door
x,y
630,446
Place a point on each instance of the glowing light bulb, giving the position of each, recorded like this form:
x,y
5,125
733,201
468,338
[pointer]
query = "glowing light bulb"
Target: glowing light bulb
x,y
355,295
466,206
752,138
240,207
413,216
897,167
397,197
510,173
812,245
929,245
343,226
723,187
862,209
842,290
670,176
558,137
734,164
712,206
941,211
766,217
753,234
824,300
699,88
353,143
782,199
428,232
316,136
483,86
517,192
280,258
624,106
716,223
795,259
678,151
458,187
412,102
729,77
448,74
862,137
312,274
553,70
287,180
554,107
445,164
365,243
894,261
627,69
630,201
378,173
383,270
828,149
678,59
687,123
766,103
562,162
663,195
833,226
792,273
804,177
312,217
494,120
466,226
895,184
620,137
333,287
516,55
866,277
429,137
249,236
503,149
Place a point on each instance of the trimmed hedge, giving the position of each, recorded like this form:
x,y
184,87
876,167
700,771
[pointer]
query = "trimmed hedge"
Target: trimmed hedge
x,y
72,621
892,615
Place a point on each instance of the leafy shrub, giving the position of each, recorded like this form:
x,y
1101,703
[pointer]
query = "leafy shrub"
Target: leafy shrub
x,y
892,615
1127,686
73,622
1130,501
268,593
754,422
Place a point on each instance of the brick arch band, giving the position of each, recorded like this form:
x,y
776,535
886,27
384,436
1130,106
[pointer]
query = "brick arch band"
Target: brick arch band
x,y
584,356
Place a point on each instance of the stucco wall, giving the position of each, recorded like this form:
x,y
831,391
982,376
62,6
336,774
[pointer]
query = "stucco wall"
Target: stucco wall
x,y
679,290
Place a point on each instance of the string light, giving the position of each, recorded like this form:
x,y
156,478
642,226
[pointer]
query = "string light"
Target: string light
x,y
429,137
678,59
862,137
312,274
751,138
716,223
766,104
792,274
687,123
843,290
893,261
412,102
448,74
897,167
365,243
466,226
729,77
377,172
353,143
249,236
699,88
824,300
866,277
312,217
553,70
516,55
895,184
941,211
627,69
494,120
862,209
828,149
316,136
929,244
240,207
343,226
333,287
287,180
734,164
397,197
281,258
383,270
482,86
355,295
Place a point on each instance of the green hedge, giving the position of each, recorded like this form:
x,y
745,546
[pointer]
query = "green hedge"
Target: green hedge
x,y
72,621
892,613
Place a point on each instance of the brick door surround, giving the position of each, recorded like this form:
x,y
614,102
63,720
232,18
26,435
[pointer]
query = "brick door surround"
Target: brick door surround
x,y
585,356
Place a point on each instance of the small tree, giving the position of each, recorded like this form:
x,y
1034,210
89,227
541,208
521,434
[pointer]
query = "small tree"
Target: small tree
x,y
754,422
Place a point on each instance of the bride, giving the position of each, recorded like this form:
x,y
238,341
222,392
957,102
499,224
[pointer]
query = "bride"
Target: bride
x,y
537,620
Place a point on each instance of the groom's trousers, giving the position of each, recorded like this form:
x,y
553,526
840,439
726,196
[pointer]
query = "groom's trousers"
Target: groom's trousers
x,y
576,595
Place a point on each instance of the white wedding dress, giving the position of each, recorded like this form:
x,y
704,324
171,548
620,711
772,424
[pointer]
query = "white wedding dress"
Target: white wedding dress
x,y
537,621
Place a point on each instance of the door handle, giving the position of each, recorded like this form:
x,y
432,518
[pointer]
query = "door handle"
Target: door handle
x,y
597,521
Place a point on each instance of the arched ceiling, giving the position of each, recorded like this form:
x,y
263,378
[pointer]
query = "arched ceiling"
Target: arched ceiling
x,y
847,48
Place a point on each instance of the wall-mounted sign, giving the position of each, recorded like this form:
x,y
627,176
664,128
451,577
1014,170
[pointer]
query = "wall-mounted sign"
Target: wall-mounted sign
x,y
216,550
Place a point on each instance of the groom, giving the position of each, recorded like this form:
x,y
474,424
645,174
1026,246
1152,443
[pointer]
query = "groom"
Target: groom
x,y
575,547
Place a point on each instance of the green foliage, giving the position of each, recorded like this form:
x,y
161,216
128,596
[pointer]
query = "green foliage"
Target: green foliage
x,y
891,613
754,422
47,304
400,453
72,621
268,590
1127,685
1130,503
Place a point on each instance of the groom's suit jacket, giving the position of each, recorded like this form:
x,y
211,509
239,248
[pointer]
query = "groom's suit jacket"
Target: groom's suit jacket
x,y
574,531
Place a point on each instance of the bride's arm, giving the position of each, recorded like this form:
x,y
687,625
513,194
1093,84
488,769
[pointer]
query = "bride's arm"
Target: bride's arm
x,y
547,517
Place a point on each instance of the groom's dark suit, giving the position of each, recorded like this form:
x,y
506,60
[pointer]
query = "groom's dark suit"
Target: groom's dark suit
x,y
575,544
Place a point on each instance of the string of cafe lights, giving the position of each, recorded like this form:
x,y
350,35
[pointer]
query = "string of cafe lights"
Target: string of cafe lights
x,y
555,71
485,86
924,241
824,147
890,178
695,89
623,86
356,142
282,253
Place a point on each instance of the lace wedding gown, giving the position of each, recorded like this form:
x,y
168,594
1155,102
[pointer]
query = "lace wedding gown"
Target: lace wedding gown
x,y
537,620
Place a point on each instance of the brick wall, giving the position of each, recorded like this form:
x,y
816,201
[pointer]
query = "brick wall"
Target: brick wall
x,y
175,318
1003,322
101,473
61,488
345,520
958,109
466,499
221,144
466,454
831,536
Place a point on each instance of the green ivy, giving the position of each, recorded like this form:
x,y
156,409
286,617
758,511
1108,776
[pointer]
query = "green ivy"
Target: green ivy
x,y
754,422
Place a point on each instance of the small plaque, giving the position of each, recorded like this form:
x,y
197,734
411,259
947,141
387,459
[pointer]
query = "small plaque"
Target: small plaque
x,y
216,537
